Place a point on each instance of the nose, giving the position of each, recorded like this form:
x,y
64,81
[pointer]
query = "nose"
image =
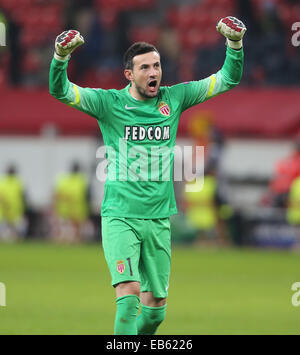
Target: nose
x,y
153,73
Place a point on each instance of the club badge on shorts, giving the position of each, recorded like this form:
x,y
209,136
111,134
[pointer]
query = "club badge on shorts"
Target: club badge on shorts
x,y
120,266
164,109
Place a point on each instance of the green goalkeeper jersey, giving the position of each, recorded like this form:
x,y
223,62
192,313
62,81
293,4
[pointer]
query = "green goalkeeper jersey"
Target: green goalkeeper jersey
x,y
139,136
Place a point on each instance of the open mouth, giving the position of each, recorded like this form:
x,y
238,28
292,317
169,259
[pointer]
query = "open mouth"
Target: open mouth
x,y
152,85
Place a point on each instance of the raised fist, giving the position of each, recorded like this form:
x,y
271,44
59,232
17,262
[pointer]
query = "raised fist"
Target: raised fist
x,y
66,42
233,29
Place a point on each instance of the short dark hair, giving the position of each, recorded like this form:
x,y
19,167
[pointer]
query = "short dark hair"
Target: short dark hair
x,y
75,167
11,170
137,49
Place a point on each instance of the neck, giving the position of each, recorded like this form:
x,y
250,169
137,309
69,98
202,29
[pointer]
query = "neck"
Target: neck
x,y
135,94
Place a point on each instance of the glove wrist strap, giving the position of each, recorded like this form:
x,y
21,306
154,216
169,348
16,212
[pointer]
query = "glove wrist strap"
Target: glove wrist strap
x,y
234,44
60,57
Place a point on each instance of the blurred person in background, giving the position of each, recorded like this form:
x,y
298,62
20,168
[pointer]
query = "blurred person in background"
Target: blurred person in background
x,y
293,208
10,55
286,171
205,211
202,129
202,207
71,205
293,203
12,206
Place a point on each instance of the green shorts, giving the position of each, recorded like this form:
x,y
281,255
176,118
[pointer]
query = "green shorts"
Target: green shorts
x,y
138,250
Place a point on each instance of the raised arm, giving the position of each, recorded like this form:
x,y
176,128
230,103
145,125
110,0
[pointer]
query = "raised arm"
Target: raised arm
x,y
229,76
232,70
90,101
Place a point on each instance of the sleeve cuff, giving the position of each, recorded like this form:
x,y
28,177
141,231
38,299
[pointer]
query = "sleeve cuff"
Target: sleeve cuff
x,y
234,44
60,58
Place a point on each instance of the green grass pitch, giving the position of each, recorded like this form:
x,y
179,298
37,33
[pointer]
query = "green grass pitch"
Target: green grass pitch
x,y
53,289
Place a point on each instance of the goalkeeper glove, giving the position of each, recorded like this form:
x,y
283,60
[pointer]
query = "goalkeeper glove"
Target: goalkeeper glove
x,y
233,29
65,44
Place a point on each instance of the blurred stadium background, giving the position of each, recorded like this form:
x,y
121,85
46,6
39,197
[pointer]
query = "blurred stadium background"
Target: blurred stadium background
x,y
48,185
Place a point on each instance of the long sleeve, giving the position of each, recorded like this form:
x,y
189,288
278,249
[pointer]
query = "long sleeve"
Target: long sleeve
x,y
195,92
90,101
231,72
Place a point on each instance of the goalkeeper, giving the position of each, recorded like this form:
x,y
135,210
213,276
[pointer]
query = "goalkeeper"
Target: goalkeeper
x,y
138,201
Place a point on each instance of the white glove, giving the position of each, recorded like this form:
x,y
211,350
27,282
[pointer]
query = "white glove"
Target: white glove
x,y
233,29
65,44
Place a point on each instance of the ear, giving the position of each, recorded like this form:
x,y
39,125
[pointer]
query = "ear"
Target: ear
x,y
128,74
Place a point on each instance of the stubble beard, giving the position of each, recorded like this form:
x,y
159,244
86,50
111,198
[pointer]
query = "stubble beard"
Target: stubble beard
x,y
142,92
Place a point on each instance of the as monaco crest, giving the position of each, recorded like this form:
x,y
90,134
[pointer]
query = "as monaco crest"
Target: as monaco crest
x,y
164,109
120,266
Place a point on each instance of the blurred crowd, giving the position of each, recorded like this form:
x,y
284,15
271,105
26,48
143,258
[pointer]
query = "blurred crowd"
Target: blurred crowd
x,y
183,31
67,219
206,216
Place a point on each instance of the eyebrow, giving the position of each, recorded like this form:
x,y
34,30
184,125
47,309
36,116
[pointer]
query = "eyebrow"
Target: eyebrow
x,y
147,65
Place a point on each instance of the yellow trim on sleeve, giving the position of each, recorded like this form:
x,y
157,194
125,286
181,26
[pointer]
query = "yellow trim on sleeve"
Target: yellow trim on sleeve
x,y
77,96
211,86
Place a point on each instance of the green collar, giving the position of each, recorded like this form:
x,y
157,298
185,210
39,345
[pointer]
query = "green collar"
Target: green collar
x,y
140,102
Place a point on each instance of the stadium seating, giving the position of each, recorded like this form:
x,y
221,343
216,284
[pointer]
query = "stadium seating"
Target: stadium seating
x,y
193,22
116,5
196,23
144,33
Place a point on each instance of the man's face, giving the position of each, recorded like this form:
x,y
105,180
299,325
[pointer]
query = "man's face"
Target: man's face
x,y
146,74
